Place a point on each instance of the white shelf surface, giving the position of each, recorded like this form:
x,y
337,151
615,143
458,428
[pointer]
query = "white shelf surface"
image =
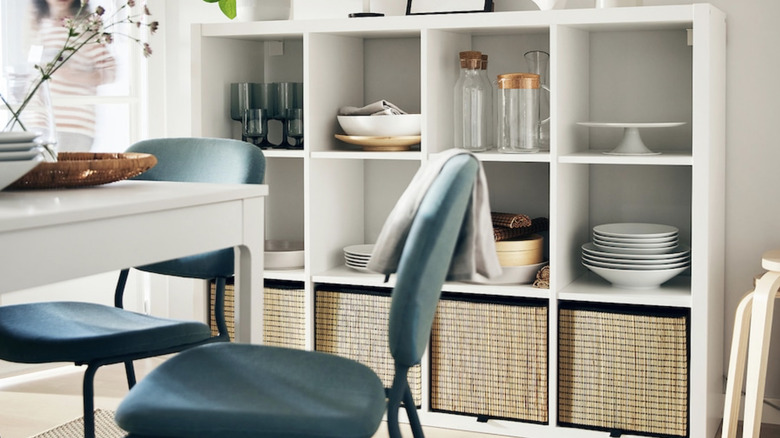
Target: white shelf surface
x,y
282,153
599,157
592,288
368,155
284,274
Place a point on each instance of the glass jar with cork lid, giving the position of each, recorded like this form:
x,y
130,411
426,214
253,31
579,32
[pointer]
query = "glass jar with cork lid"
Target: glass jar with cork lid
x,y
517,111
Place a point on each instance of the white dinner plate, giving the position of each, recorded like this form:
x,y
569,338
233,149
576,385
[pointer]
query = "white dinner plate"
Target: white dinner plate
x,y
640,262
635,230
20,155
620,250
609,240
626,267
359,268
360,250
13,147
607,244
681,250
17,136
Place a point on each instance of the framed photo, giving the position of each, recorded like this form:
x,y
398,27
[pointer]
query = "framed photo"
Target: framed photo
x,y
422,7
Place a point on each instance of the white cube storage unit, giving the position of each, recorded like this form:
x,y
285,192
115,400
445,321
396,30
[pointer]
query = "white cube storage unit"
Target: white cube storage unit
x,y
615,65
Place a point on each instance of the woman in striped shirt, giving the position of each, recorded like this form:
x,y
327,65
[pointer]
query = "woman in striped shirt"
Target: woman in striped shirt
x,y
91,66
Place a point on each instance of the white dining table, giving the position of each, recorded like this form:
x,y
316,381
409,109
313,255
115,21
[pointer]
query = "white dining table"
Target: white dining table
x,y
47,236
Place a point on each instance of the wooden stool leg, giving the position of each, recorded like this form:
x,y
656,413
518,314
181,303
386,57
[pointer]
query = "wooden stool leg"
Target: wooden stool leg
x,y
758,351
736,371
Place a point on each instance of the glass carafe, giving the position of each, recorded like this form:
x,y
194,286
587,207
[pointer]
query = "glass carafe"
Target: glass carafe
x,y
538,62
518,113
470,94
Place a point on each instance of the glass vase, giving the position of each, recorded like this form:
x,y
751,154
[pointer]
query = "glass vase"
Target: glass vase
x,y
26,106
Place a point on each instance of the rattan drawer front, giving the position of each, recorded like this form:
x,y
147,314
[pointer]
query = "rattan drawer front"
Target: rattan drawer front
x,y
490,359
624,371
284,322
353,323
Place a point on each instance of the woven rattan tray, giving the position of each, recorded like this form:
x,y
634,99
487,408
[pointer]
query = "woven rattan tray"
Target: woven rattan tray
x,y
83,169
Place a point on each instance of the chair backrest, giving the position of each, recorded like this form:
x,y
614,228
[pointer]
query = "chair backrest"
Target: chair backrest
x,y
426,258
207,160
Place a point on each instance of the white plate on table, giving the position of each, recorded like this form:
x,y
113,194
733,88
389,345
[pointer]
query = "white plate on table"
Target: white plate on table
x,y
20,155
17,136
10,171
15,147
364,250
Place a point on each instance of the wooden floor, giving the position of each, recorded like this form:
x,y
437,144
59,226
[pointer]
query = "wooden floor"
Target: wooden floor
x,y
31,407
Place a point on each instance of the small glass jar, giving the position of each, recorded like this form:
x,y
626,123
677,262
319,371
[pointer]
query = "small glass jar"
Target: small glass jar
x,y
517,109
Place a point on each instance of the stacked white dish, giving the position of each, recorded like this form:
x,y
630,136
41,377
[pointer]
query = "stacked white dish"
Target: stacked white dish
x,y
18,155
636,255
357,256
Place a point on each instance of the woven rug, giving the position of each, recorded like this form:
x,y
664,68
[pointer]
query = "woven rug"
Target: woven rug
x,y
104,428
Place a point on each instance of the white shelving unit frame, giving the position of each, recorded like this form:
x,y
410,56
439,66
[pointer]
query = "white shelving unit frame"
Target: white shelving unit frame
x,y
331,195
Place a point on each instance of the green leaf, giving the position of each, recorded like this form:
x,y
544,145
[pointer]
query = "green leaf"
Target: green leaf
x,y
228,8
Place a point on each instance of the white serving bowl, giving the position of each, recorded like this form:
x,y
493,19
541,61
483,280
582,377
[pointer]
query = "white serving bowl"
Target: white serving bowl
x,y
10,171
283,254
381,126
633,279
514,275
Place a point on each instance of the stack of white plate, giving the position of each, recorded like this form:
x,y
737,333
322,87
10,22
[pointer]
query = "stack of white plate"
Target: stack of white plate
x,y
636,255
357,256
18,155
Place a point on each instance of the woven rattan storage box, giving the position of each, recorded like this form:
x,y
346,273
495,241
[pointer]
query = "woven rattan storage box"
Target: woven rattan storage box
x,y
624,369
284,322
489,358
352,322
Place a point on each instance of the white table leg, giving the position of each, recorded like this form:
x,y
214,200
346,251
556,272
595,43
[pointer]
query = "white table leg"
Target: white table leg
x,y
249,275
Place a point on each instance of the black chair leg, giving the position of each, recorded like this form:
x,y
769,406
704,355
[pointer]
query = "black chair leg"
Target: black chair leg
x,y
89,401
219,308
130,372
411,412
394,398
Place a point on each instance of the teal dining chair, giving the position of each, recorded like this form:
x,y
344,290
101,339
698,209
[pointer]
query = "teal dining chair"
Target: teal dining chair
x,y
242,390
94,334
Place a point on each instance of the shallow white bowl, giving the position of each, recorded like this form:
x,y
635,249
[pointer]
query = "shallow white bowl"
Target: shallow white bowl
x,y
515,275
10,171
283,254
631,279
381,126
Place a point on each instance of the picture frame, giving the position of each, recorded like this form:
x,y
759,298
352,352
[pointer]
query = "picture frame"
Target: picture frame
x,y
425,7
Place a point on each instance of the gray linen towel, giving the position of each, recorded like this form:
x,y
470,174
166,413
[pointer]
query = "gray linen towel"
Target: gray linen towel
x,y
378,108
475,255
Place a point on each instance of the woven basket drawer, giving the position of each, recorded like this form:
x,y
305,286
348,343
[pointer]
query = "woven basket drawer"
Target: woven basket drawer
x,y
489,358
352,323
284,322
624,369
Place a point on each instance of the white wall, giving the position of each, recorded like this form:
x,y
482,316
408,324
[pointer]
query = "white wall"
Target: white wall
x,y
753,149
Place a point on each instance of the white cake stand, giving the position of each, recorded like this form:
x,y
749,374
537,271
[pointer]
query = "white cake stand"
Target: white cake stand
x,y
632,143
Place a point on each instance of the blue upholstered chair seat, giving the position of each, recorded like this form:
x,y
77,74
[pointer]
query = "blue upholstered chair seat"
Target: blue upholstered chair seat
x,y
81,332
260,392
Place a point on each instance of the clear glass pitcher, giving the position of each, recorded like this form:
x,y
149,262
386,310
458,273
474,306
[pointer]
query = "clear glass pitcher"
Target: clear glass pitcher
x,y
538,62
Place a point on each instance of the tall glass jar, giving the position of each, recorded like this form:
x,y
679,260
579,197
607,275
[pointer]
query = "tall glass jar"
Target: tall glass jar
x,y
518,113
470,94
538,62
488,106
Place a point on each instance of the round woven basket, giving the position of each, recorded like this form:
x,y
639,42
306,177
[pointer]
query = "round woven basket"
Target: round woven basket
x,y
83,169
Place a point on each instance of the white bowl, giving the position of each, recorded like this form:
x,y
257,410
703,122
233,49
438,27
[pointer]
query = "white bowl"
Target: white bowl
x,y
381,126
283,254
514,275
633,279
10,171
